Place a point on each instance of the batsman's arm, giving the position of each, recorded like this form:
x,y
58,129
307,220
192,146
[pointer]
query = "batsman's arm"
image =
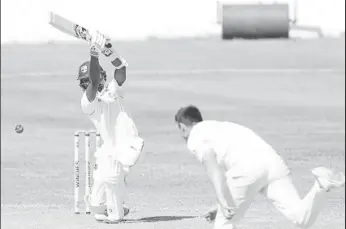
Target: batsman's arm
x,y
218,180
118,62
94,77
120,70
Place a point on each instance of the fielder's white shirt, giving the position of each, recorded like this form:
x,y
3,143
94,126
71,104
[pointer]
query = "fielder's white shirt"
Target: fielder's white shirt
x,y
234,146
103,112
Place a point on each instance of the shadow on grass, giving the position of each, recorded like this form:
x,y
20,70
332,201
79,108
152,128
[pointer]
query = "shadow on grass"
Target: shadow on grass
x,y
158,219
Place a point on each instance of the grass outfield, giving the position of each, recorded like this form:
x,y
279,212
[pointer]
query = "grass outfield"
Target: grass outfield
x,y
290,92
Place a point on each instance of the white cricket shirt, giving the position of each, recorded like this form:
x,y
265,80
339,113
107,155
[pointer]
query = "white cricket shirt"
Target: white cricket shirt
x,y
103,112
234,146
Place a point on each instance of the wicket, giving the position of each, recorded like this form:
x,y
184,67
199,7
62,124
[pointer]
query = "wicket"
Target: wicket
x,y
88,169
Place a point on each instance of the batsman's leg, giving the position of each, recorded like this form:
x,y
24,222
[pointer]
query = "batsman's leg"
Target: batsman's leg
x,y
97,200
115,193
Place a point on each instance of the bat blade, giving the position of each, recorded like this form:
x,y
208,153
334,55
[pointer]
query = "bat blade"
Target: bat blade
x,y
73,29
69,27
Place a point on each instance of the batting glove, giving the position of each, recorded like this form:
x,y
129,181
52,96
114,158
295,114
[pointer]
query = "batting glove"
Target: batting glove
x,y
97,43
94,51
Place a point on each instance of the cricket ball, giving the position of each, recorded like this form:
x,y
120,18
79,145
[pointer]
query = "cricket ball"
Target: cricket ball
x,y
19,129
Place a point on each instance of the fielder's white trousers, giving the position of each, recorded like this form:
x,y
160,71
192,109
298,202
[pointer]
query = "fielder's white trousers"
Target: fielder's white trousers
x,y
108,190
245,184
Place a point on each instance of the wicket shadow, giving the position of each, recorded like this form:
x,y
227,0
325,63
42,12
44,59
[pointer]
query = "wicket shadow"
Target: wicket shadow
x,y
154,219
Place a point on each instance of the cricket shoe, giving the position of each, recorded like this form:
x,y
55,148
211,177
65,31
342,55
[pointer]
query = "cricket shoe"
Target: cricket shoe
x,y
112,221
107,219
327,179
101,210
100,217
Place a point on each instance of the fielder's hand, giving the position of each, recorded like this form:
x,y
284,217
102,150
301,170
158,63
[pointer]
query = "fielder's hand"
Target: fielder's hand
x,y
210,215
228,212
97,43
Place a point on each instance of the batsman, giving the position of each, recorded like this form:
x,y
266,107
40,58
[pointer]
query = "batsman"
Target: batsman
x,y
122,145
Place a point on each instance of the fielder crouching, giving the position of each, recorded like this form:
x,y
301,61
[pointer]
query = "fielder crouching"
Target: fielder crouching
x,y
240,165
121,147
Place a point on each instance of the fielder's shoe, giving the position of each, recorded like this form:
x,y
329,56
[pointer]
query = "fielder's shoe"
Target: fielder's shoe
x,y
327,179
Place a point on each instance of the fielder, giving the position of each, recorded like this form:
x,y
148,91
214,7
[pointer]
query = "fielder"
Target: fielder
x,y
240,165
102,103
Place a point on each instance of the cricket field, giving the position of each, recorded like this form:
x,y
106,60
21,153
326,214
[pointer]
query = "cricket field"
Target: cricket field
x,y
291,92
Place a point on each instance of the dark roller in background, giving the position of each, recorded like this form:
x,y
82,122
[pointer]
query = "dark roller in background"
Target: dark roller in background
x,y
255,21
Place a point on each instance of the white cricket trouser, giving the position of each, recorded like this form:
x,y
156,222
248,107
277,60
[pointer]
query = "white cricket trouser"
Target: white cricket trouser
x,y
245,185
108,190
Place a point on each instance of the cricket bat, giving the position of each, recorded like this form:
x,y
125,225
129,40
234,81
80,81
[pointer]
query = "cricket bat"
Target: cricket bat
x,y
73,29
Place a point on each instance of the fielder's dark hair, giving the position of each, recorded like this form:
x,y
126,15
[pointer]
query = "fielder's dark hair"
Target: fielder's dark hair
x,y
188,115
